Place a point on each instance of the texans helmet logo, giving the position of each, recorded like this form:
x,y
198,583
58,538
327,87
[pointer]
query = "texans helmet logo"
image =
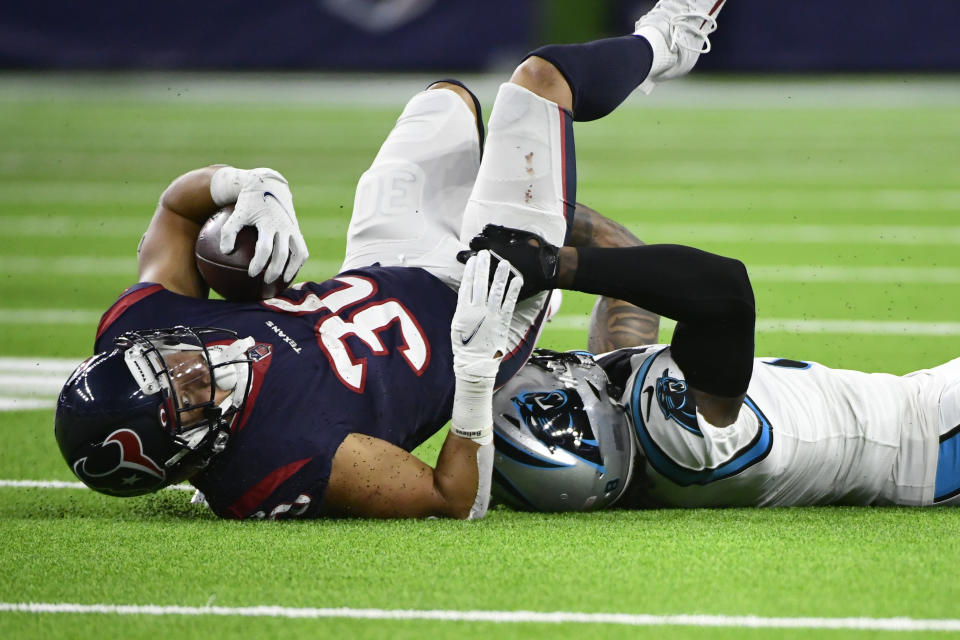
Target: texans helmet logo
x,y
119,465
676,403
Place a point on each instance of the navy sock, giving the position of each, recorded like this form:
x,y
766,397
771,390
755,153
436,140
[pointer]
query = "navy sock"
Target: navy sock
x,y
601,73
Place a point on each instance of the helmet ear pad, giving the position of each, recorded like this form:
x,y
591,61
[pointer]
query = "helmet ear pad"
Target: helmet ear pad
x,y
562,443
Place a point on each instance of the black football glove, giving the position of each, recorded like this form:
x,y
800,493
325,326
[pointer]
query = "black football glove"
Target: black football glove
x,y
531,255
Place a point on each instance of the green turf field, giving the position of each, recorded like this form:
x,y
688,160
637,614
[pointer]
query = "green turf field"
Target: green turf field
x,y
842,198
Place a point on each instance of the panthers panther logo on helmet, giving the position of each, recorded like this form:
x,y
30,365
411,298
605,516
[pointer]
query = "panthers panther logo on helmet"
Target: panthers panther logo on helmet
x,y
557,418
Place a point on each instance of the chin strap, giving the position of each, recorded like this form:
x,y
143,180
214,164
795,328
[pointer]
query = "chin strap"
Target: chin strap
x,y
231,377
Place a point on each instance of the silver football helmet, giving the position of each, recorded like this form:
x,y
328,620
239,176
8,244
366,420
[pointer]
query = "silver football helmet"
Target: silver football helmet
x,y
562,443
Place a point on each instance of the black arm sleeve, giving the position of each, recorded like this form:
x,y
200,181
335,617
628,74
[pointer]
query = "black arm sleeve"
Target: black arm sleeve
x,y
708,295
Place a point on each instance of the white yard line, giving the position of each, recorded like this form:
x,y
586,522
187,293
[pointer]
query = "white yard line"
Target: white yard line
x,y
33,383
801,273
799,234
859,327
552,617
389,90
61,484
26,404
562,321
130,227
30,365
803,325
769,233
321,269
117,266
51,316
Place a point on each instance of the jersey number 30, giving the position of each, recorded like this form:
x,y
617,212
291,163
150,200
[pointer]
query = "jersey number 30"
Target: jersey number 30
x,y
365,323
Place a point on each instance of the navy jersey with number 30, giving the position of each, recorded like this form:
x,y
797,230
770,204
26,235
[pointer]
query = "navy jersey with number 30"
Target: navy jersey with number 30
x,y
365,352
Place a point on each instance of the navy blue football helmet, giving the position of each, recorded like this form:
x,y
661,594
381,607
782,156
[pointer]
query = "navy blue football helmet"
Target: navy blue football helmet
x,y
123,427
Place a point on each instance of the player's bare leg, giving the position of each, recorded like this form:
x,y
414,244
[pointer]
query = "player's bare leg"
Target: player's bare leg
x,y
544,79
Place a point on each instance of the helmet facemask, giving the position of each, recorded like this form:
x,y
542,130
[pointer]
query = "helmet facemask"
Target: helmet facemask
x,y
178,364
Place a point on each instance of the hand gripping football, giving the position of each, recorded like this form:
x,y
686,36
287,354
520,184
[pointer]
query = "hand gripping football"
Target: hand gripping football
x,y
226,273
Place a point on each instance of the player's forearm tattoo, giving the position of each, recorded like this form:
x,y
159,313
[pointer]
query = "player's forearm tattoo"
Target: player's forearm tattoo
x,y
591,229
615,324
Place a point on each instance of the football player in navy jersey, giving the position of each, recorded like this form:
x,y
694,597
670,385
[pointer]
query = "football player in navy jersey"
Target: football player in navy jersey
x,y
701,422
309,403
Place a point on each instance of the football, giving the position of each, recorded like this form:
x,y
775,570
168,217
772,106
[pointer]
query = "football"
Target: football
x,y
226,273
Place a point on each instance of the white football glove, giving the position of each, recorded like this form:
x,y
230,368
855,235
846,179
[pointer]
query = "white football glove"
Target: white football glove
x,y
478,334
263,200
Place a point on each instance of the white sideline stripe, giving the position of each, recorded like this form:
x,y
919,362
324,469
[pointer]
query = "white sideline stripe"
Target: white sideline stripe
x,y
787,325
28,365
31,385
61,484
794,273
26,404
124,266
650,231
138,197
860,327
667,197
798,234
553,617
391,90
322,269
42,484
50,316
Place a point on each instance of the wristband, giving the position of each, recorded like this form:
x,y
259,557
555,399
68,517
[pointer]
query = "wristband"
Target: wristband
x,y
473,410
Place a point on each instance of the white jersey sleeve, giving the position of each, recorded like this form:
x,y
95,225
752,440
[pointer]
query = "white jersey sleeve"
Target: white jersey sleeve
x,y
805,434
678,442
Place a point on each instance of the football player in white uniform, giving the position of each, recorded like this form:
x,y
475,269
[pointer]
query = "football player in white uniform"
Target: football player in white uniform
x,y
701,422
